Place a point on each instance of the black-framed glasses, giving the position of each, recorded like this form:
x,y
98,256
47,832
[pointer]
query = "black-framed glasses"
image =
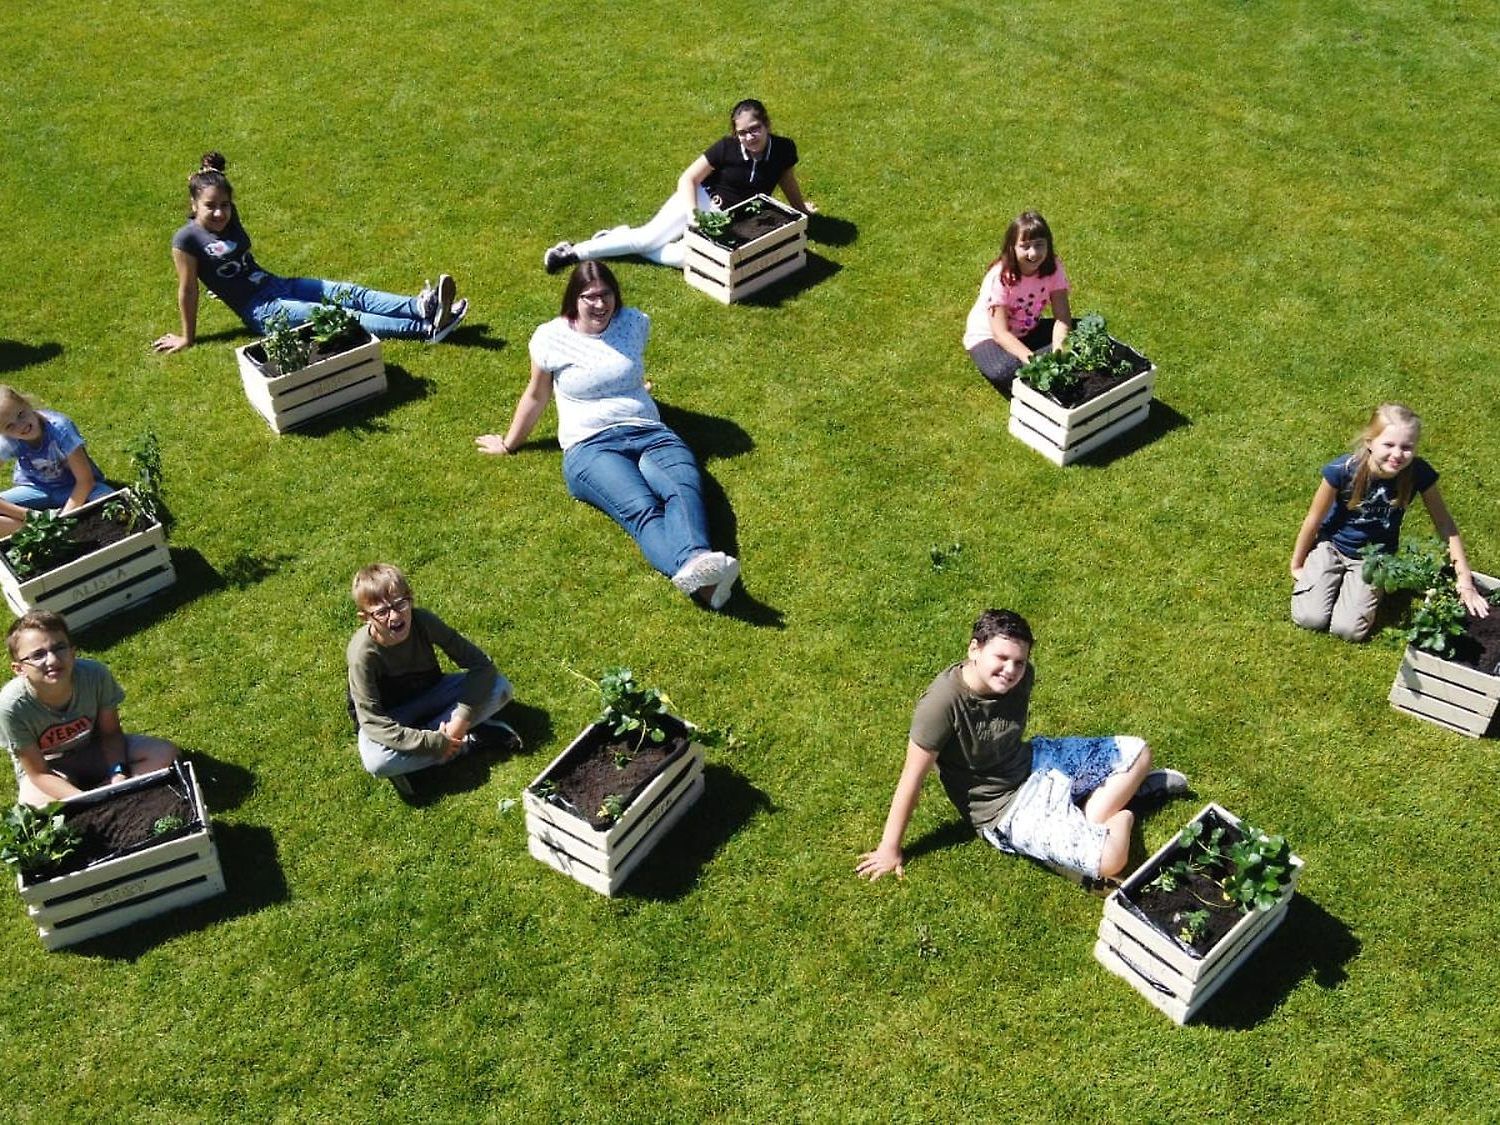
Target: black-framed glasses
x,y
390,609
39,657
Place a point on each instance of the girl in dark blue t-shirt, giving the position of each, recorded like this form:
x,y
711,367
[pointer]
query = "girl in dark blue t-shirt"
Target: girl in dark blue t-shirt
x,y
1361,500
212,247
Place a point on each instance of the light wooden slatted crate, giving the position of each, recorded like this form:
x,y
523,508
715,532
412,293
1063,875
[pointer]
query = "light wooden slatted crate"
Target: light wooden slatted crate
x,y
1452,695
727,275
1063,434
322,387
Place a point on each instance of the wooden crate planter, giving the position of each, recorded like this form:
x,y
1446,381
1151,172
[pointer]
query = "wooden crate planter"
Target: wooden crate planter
x,y
150,880
1175,980
1441,691
729,273
326,384
1063,434
604,859
100,583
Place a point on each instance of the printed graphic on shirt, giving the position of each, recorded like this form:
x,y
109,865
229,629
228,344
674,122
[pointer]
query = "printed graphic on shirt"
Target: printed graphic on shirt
x,y
60,735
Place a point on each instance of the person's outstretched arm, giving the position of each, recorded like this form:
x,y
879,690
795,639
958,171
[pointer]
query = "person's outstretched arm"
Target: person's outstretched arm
x,y
187,304
887,858
529,408
1447,530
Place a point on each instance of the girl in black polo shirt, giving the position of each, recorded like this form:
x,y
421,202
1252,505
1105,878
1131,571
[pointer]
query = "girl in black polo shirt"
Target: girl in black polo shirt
x,y
751,161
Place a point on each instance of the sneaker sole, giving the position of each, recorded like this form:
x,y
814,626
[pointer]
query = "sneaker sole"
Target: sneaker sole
x,y
446,292
720,597
460,311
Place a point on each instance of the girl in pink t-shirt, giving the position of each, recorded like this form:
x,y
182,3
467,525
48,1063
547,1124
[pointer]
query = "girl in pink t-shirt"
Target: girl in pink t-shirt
x,y
1006,326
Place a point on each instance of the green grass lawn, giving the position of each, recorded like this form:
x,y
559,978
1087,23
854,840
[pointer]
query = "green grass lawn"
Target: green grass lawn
x,y
1288,206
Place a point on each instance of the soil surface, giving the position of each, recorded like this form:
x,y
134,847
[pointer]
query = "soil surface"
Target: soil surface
x,y
123,823
747,228
589,774
1095,383
1163,908
1480,646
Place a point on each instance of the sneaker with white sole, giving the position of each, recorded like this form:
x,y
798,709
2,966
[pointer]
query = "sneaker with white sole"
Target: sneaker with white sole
x,y
1163,783
559,257
456,313
495,736
722,589
703,569
440,311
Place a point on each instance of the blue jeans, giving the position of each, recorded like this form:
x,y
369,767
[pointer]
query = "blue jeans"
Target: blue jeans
x,y
384,314
647,481
430,710
33,495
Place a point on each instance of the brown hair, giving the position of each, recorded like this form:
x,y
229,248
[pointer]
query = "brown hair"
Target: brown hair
x,y
994,623
210,173
1024,227
1384,415
379,580
585,274
43,621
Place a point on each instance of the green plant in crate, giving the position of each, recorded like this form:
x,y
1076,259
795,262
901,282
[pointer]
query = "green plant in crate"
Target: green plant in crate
x,y
39,544
35,841
1087,348
711,223
333,324
150,496
287,347
1422,568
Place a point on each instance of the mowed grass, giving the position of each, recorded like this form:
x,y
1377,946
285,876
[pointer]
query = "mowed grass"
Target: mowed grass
x,y
1289,207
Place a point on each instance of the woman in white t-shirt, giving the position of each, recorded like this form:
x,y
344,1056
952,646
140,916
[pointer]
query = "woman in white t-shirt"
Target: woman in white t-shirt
x,y
1006,326
617,454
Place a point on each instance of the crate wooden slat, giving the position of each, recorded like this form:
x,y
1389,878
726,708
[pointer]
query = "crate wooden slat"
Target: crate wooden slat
x,y
322,387
1452,695
727,275
1063,434
100,583
1176,982
117,892
604,859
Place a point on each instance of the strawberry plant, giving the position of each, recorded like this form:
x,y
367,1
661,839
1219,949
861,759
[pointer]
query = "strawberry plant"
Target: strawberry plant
x,y
711,223
286,348
1087,348
1251,869
39,544
35,841
332,323
1422,568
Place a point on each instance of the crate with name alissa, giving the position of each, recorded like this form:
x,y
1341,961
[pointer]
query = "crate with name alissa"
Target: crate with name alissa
x,y
762,242
133,879
601,844
1445,692
334,378
1062,434
109,555
1160,959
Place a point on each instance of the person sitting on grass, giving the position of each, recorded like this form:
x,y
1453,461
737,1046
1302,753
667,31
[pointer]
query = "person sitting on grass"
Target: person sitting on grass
x,y
411,716
212,247
53,467
1022,798
60,717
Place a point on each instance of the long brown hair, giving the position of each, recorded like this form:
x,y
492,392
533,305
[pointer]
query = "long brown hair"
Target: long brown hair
x,y
1027,225
1386,414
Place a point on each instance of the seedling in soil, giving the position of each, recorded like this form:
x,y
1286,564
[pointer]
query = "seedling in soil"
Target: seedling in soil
x,y
627,707
545,788
35,841
1193,924
611,808
166,824
711,223
1087,348
1250,872
1422,568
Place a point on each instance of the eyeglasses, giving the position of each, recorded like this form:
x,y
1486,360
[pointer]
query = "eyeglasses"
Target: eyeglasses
x,y
752,131
39,657
389,610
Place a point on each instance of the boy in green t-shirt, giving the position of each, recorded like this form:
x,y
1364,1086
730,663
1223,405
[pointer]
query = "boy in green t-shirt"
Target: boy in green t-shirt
x,y
60,717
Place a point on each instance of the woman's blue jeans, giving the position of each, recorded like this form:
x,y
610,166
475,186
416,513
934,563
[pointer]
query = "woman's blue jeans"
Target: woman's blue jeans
x,y
647,481
387,315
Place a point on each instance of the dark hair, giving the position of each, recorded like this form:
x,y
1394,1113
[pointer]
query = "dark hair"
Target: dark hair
x,y
43,621
210,173
750,105
585,274
994,623
1027,225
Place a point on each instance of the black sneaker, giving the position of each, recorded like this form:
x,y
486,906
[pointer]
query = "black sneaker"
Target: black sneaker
x,y
495,736
559,257
1163,783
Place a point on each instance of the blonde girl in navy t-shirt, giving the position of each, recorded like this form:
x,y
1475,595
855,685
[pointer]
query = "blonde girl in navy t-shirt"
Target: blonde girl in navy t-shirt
x,y
212,247
1362,500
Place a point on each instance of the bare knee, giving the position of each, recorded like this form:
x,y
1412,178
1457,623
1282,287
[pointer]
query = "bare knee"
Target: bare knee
x,y
1116,852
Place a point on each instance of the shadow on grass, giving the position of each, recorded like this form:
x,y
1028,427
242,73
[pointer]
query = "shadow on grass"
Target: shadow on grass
x,y
711,437
367,417
1310,942
949,835
1161,421
248,569
225,785
195,577
14,355
818,270
826,230
253,880
471,335
729,802
469,772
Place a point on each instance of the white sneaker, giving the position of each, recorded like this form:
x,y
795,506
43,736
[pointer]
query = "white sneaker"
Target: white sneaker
x,y
441,311
1163,783
705,568
720,597
456,313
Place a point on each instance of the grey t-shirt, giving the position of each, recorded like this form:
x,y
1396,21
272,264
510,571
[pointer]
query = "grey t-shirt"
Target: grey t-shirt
x,y
982,758
26,721
225,263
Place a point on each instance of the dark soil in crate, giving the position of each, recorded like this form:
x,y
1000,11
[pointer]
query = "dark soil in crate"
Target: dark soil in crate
x,y
88,533
589,774
1095,383
1164,909
1479,647
123,823
747,228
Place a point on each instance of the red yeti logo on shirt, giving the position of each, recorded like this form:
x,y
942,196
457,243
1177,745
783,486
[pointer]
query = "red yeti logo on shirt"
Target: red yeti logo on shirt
x,y
74,730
